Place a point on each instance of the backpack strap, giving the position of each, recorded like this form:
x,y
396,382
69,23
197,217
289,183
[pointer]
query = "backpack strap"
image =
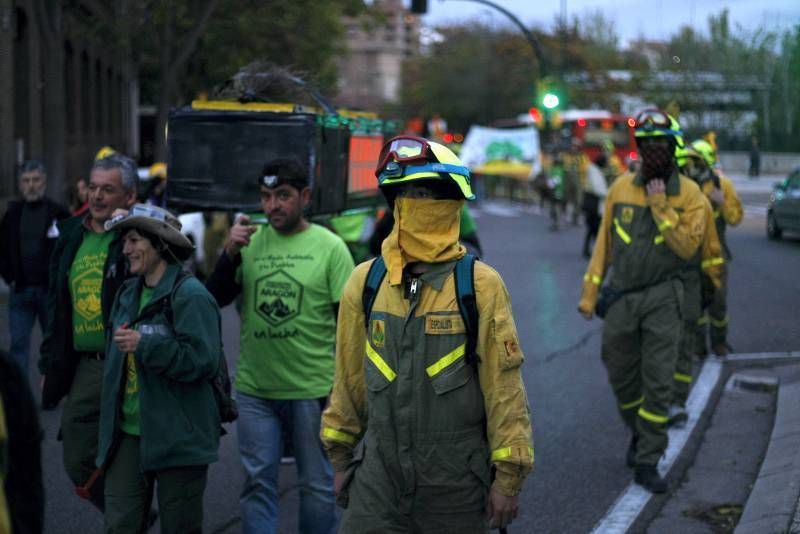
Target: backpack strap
x,y
375,276
464,277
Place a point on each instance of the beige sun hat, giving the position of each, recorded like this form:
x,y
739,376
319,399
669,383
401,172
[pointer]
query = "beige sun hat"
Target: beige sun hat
x,y
155,220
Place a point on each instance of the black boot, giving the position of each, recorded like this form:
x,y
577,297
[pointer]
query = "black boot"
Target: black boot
x,y
630,456
648,477
677,416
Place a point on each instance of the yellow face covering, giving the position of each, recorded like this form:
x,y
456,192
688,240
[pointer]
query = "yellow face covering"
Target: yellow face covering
x,y
425,230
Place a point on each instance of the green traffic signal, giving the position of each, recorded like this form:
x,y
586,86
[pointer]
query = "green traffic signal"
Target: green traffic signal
x,y
550,101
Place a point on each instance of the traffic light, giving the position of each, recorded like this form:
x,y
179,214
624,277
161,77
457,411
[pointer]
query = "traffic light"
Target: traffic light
x,y
550,100
549,95
419,7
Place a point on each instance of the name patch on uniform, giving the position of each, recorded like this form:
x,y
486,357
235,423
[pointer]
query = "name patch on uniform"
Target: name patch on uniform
x,y
444,324
378,334
627,215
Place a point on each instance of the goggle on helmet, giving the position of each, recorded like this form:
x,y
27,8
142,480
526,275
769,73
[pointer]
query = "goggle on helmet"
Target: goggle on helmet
x,y
406,159
656,123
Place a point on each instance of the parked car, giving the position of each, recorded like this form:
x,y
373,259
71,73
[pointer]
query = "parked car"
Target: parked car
x,y
783,210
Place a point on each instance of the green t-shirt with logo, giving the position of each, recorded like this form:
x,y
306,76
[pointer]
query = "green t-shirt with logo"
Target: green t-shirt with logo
x,y
85,285
289,285
129,422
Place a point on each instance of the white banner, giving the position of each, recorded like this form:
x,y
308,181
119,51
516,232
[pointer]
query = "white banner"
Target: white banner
x,y
508,150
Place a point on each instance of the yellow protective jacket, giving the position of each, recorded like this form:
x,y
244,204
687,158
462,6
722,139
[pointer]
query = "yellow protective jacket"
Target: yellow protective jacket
x,y
408,387
730,213
647,238
577,165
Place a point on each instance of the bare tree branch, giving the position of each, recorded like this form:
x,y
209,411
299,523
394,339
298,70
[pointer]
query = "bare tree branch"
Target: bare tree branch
x,y
190,42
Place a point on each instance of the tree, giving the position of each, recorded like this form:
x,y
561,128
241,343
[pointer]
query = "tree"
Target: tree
x,y
202,43
179,28
473,76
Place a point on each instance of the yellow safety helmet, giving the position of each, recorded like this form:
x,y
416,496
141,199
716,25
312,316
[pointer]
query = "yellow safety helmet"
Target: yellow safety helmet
x,y
406,158
104,152
707,151
684,153
158,170
656,123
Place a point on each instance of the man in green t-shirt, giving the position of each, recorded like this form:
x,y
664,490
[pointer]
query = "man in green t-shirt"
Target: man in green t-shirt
x,y
86,269
291,274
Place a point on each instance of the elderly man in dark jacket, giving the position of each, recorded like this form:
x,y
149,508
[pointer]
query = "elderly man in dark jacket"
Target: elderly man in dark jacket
x,y
86,269
27,235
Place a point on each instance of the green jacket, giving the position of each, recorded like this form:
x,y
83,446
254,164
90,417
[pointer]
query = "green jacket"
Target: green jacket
x,y
179,419
58,359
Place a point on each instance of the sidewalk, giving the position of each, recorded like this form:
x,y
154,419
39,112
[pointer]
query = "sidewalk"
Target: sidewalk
x,y
763,184
741,470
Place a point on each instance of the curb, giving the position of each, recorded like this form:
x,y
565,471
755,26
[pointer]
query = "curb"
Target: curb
x,y
772,504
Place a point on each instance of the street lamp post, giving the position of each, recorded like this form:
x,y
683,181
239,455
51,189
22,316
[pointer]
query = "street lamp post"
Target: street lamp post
x,y
543,66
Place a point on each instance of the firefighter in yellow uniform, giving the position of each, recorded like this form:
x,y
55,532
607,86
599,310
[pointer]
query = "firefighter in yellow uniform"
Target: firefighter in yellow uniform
x,y
701,279
417,421
653,224
576,168
728,210
613,166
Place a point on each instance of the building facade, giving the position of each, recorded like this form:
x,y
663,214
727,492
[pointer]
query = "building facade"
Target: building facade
x,y
94,83
378,43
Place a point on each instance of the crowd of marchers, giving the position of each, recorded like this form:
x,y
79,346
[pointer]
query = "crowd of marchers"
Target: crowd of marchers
x,y
392,383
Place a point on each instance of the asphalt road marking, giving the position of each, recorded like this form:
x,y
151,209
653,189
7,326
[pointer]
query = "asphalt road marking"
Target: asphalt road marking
x,y
632,501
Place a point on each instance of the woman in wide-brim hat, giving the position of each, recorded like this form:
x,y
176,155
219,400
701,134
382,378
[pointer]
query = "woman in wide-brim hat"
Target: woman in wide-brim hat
x,y
159,422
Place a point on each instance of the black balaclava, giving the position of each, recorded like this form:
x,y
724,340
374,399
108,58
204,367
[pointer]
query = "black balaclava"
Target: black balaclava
x,y
658,159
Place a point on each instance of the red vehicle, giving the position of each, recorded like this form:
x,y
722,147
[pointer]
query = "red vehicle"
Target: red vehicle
x,y
595,128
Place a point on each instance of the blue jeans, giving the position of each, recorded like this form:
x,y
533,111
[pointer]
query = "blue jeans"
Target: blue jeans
x,y
25,305
260,426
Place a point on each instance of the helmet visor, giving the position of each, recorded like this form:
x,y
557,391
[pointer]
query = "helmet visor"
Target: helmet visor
x,y
407,150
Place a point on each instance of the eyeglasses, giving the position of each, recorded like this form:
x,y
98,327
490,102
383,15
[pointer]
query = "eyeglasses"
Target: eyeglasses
x,y
651,119
405,149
